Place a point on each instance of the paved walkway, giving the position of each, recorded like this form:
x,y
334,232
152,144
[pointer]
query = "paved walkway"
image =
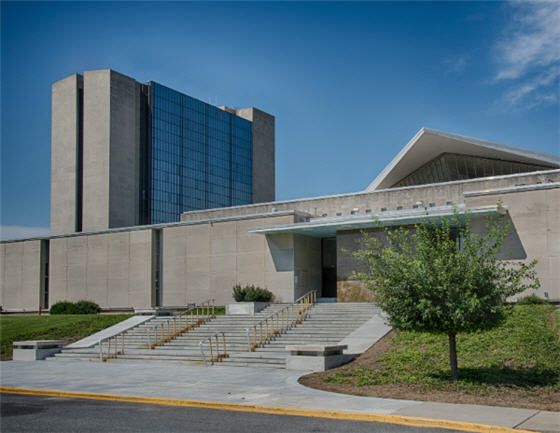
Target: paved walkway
x,y
244,385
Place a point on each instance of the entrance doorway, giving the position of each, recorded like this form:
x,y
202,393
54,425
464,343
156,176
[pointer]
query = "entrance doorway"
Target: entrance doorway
x,y
328,262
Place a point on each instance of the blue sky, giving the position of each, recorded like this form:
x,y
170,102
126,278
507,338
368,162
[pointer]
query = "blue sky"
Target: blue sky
x,y
349,83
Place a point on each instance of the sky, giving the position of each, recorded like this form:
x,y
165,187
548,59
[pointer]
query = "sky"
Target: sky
x,y
350,83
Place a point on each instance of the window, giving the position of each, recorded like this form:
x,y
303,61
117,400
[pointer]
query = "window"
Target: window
x,y
201,156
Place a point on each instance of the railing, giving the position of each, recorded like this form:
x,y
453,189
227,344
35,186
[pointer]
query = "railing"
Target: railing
x,y
280,321
215,353
192,317
114,351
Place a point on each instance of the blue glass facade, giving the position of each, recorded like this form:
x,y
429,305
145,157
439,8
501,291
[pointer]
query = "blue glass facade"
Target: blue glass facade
x,y
201,156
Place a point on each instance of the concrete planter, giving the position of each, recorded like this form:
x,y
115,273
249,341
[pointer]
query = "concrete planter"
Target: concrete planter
x,y
245,308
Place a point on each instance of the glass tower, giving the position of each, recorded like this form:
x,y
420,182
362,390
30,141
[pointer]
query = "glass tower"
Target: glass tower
x,y
200,156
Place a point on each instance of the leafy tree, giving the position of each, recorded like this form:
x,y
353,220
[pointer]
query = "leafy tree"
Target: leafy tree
x,y
441,277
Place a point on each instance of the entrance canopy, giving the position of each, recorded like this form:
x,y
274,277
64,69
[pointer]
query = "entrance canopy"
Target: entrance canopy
x,y
326,227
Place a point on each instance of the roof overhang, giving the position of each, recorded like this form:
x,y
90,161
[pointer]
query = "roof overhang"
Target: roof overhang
x,y
329,226
428,144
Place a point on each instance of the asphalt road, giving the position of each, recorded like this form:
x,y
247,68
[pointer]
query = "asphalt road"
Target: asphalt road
x,y
26,413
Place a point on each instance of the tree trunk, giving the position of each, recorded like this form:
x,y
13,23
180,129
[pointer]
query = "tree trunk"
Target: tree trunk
x,y
453,356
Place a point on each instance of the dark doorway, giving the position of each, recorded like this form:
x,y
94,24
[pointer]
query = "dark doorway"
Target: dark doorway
x,y
328,258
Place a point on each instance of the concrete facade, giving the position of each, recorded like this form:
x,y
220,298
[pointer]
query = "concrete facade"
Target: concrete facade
x,y
535,227
264,186
205,260
111,150
112,269
65,164
390,199
102,153
20,275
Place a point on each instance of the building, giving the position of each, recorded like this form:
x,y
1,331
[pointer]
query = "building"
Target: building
x,y
127,154
295,246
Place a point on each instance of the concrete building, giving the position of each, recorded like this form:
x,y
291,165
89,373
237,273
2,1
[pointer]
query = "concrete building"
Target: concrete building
x,y
295,246
127,154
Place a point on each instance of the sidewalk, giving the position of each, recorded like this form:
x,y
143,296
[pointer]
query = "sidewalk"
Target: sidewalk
x,y
272,387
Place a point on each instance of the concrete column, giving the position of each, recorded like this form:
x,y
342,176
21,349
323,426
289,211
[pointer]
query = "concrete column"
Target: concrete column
x,y
65,144
263,153
111,150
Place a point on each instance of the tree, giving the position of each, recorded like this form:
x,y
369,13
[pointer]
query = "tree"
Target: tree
x,y
441,277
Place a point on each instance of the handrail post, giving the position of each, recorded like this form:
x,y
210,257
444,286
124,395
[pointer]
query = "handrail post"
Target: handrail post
x,y
217,348
224,341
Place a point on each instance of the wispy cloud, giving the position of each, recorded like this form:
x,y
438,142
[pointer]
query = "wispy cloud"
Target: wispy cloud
x,y
456,65
22,232
528,55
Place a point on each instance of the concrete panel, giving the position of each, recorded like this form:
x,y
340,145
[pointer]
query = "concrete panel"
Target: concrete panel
x,y
198,284
263,153
124,151
20,276
174,266
117,292
534,216
97,139
64,154
390,198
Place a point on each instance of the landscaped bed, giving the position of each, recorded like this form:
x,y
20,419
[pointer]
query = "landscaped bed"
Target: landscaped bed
x,y
57,327
515,365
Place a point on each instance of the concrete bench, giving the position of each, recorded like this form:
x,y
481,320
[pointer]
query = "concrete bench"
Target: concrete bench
x,y
315,357
36,349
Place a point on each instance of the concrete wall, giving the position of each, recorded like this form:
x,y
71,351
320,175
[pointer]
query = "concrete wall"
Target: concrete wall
x,y
204,261
535,231
111,150
97,139
111,269
390,199
20,275
64,154
264,189
124,176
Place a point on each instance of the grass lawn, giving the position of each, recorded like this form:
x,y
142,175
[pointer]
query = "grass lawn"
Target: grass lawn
x,y
516,364
57,327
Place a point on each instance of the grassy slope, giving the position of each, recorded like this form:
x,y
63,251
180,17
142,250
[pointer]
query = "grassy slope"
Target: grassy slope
x,y
522,355
58,327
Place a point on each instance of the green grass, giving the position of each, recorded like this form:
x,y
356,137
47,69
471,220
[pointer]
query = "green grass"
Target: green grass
x,y
58,327
523,353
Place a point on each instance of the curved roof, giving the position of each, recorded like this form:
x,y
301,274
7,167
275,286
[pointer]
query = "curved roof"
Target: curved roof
x,y
428,144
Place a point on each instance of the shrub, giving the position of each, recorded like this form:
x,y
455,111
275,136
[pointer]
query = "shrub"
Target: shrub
x,y
251,293
80,307
86,307
63,307
531,300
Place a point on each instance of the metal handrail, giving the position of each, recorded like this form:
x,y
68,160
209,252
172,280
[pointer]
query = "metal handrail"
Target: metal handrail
x,y
211,339
280,321
174,326
116,343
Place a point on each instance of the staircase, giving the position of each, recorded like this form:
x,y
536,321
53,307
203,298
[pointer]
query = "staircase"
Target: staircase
x,y
327,323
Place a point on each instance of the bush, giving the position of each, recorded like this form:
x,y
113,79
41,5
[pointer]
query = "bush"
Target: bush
x,y
86,307
63,307
531,300
80,307
251,294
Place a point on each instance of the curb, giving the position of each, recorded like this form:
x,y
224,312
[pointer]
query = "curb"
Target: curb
x,y
276,410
